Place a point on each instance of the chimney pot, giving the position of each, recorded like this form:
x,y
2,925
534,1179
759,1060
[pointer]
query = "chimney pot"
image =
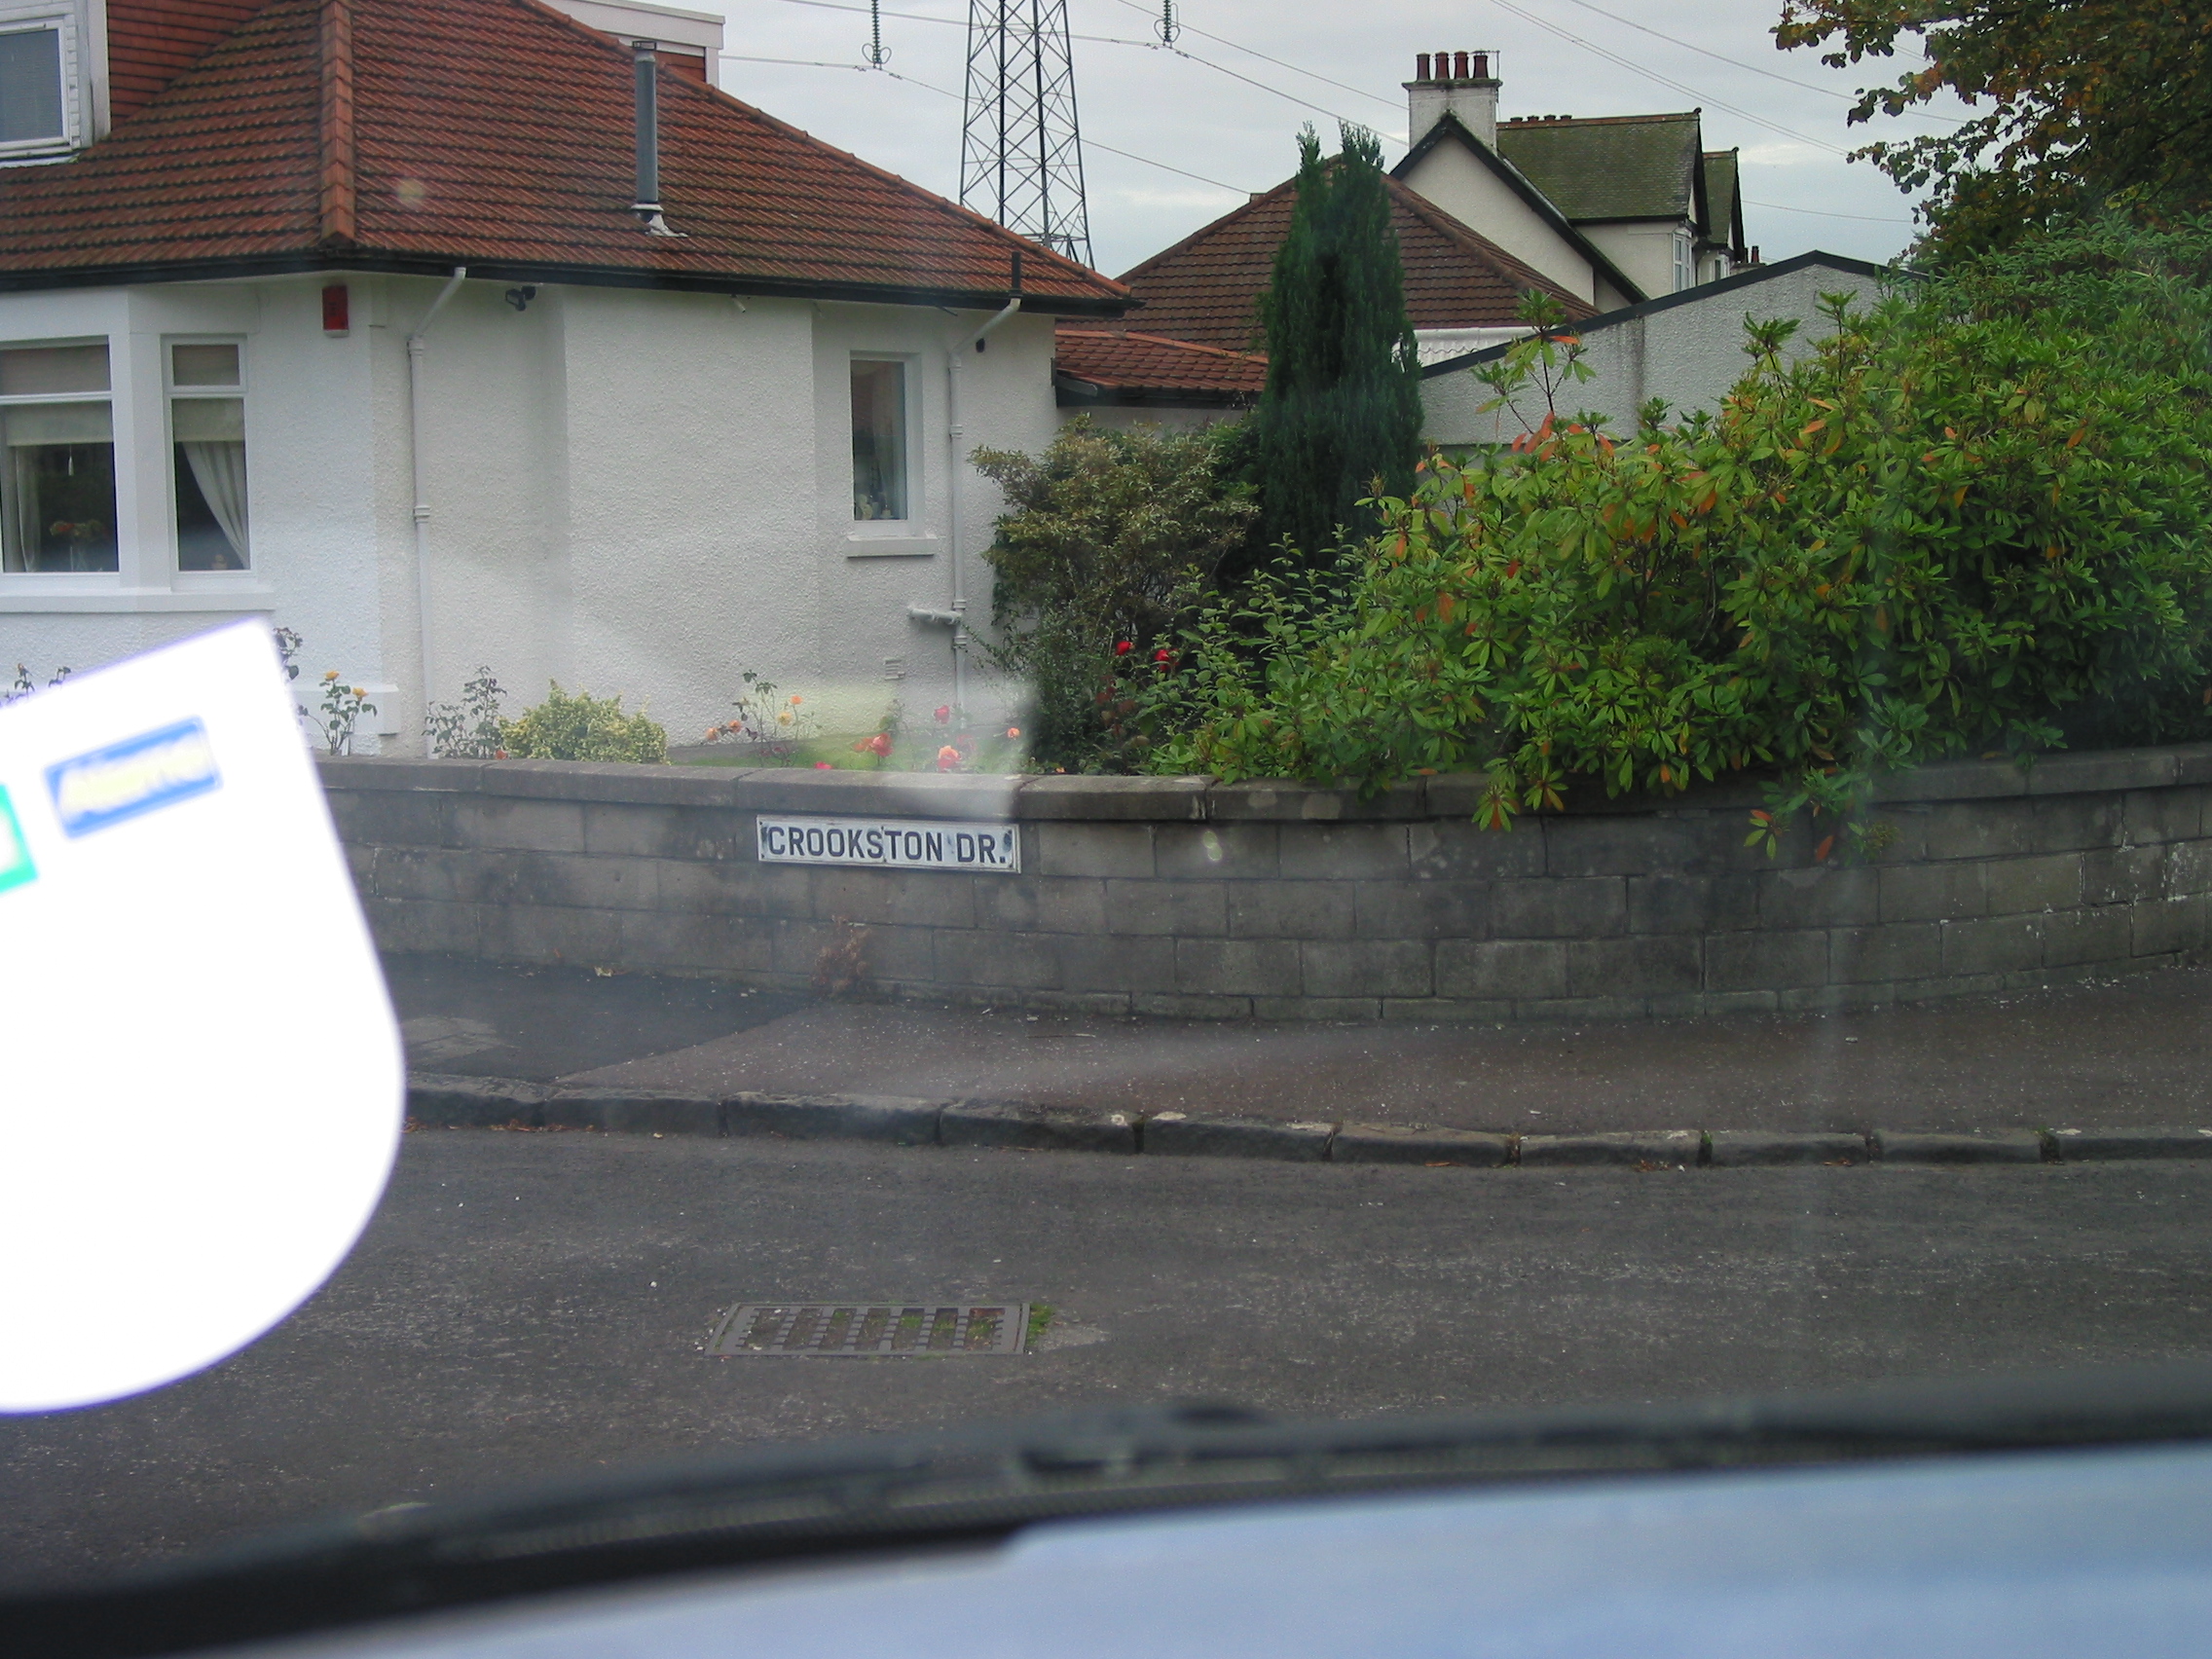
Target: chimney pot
x,y
1420,66
1459,66
1482,66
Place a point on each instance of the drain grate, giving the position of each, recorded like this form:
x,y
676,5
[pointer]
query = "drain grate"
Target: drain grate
x,y
854,1329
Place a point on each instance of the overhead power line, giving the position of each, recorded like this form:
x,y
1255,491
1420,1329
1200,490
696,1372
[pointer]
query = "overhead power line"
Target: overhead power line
x,y
1089,143
1635,67
1753,68
1184,25
1825,213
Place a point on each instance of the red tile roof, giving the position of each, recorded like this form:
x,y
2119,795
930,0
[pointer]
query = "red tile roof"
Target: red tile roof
x,y
1207,288
1124,361
415,135
150,43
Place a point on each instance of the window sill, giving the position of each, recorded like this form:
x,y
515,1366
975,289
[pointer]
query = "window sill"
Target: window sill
x,y
26,600
899,546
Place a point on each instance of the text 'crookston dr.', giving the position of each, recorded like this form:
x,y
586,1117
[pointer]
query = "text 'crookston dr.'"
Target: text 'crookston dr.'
x,y
892,844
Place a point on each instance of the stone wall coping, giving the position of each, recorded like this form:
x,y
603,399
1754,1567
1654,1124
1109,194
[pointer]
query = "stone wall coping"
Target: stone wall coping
x,y
1197,800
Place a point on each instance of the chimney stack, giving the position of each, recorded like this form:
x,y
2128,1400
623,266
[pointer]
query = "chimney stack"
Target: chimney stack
x,y
647,205
1458,83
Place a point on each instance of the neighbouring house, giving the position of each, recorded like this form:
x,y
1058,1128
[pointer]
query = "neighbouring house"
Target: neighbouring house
x,y
374,317
1201,295
1634,206
1605,215
1686,348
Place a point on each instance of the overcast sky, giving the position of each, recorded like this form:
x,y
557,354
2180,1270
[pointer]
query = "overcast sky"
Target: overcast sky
x,y
1190,112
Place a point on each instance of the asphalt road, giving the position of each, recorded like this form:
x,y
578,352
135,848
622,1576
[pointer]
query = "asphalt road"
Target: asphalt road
x,y
529,1303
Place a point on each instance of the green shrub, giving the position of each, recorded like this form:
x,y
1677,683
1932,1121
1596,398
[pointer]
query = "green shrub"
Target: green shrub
x,y
1974,519
583,727
1102,530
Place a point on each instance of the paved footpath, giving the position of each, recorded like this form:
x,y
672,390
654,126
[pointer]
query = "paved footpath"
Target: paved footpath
x,y
529,1303
2135,1051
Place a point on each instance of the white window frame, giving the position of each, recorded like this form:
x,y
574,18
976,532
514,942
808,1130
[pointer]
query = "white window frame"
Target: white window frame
x,y
909,527
1685,272
67,581
171,395
63,21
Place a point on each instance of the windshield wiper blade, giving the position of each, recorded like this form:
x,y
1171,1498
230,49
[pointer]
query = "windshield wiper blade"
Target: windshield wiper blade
x,y
977,1486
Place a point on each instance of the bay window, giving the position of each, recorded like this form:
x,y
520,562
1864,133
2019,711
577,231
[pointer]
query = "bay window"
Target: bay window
x,y
57,480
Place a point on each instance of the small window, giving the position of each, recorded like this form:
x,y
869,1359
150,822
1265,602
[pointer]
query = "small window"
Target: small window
x,y
1683,278
57,480
30,87
208,465
879,440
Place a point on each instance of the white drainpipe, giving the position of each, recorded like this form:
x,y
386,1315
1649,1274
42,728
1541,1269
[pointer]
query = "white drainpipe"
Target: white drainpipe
x,y
415,342
956,618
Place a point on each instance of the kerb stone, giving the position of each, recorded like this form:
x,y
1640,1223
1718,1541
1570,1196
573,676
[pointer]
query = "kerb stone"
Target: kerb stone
x,y
1175,1134
2080,1146
634,1112
1394,1143
1666,1148
1735,1149
893,1118
1995,1146
1020,1125
475,1103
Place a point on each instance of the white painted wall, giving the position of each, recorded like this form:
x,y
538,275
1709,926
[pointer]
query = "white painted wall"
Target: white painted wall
x,y
1643,250
1460,184
629,492
1689,353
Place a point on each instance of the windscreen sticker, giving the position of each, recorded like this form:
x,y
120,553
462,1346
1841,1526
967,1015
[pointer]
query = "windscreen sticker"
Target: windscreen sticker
x,y
16,866
140,774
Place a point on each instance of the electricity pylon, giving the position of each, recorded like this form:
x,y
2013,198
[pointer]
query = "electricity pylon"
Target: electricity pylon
x,y
1021,150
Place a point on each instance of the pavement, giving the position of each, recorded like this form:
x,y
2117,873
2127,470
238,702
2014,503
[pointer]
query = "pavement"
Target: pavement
x,y
535,1304
2135,1051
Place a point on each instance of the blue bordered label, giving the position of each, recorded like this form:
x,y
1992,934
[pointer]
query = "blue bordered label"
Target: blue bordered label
x,y
16,866
140,774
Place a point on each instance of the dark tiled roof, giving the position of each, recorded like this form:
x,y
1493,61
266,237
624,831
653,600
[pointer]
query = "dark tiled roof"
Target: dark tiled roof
x,y
1723,202
1207,288
1123,360
1616,166
419,133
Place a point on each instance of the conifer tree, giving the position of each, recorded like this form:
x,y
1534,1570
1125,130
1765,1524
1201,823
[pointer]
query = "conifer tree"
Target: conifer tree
x,y
1341,407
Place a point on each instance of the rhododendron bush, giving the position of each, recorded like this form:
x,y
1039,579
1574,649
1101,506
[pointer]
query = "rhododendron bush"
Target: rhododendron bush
x,y
1974,518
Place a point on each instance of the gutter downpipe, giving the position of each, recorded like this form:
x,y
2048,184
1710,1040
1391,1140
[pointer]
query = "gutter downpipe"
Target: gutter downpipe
x,y
957,617
414,349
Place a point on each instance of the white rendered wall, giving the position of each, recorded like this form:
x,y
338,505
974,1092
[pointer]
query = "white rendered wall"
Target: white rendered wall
x,y
1460,184
629,490
1643,251
1688,353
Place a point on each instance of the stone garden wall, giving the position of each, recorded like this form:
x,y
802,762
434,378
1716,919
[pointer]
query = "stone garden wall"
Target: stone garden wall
x,y
1179,896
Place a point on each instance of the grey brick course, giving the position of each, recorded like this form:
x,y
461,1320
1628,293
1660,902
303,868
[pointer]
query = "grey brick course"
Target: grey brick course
x,y
1501,969
1094,849
1650,966
1584,907
1291,909
1766,961
1366,967
1179,897
1187,907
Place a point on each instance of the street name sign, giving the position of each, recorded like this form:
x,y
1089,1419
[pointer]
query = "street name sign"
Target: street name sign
x,y
892,844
